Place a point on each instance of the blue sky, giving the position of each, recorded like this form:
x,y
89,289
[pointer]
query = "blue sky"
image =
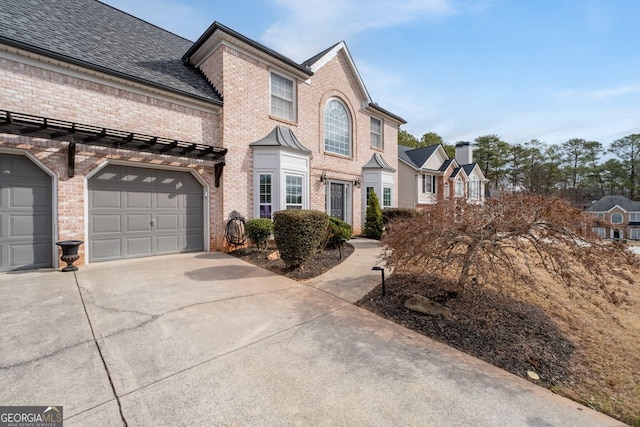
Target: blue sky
x,y
521,69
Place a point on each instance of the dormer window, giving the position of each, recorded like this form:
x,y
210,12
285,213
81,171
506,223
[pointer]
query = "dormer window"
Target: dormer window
x,y
282,98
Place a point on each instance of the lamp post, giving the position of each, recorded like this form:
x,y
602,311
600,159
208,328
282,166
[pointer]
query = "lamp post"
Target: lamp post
x,y
381,269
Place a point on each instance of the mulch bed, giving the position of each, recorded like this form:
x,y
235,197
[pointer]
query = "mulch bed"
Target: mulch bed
x,y
315,266
507,333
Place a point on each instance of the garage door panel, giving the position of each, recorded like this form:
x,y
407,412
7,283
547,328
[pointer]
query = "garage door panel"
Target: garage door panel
x,y
169,244
104,198
168,222
138,199
23,226
168,200
32,198
136,246
193,242
105,249
192,222
194,201
106,223
138,222
146,195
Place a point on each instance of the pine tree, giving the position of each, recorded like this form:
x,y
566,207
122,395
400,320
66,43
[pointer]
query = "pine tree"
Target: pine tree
x,y
373,219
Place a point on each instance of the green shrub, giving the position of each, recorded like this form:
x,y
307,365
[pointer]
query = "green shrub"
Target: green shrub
x,y
337,229
298,234
390,215
259,231
373,219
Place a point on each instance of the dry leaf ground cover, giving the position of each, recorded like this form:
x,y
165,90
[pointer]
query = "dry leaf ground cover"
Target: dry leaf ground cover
x,y
578,350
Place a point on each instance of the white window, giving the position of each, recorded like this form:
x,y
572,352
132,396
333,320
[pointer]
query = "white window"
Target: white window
x,y
474,189
376,133
598,215
446,189
600,231
429,184
294,192
616,218
459,187
282,97
369,191
634,233
265,195
386,197
337,128
634,217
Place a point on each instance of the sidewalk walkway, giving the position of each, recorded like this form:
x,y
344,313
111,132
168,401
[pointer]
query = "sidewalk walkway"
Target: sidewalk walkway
x,y
353,278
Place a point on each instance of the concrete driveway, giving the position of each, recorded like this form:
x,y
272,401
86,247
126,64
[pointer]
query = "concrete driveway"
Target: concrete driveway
x,y
206,339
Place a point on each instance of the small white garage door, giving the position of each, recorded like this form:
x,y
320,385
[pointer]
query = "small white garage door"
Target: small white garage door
x,y
136,212
25,214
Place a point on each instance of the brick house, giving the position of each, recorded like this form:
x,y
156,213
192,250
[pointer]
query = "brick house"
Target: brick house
x,y
427,175
139,142
618,218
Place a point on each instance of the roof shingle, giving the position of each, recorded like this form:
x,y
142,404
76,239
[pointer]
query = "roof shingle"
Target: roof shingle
x,y
94,35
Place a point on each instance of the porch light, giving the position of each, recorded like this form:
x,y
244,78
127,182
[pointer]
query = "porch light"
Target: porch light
x,y
357,181
323,177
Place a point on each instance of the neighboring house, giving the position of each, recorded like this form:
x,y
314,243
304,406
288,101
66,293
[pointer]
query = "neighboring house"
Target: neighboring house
x,y
427,175
618,218
139,142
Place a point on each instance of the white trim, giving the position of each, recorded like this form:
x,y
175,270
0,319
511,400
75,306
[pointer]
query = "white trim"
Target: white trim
x,y
205,194
54,196
324,60
60,67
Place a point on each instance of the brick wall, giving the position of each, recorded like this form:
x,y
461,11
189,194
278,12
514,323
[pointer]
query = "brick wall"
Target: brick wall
x,y
44,92
246,90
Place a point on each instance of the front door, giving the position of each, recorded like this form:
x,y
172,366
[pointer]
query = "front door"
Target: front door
x,y
337,200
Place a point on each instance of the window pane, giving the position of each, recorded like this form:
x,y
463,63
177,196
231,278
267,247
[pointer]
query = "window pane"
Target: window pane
x,y
376,132
282,97
616,218
386,197
336,129
294,192
265,196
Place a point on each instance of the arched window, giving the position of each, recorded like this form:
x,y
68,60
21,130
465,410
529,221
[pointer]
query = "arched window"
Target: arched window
x,y
337,128
616,218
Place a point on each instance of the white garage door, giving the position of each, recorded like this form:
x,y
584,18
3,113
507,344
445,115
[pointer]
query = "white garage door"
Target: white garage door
x,y
25,214
136,212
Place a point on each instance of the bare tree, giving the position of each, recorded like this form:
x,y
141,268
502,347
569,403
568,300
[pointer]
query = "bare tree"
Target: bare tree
x,y
509,243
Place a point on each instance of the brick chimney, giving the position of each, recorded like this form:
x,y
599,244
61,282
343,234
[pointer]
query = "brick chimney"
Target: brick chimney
x,y
464,153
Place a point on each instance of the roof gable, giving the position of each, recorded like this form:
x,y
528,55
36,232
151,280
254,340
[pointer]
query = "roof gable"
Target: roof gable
x,y
320,60
416,157
96,36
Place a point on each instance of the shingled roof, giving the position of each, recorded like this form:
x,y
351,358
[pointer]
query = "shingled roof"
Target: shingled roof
x,y
607,203
99,37
416,156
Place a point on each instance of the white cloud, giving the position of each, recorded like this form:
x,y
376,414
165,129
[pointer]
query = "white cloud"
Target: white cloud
x,y
311,26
